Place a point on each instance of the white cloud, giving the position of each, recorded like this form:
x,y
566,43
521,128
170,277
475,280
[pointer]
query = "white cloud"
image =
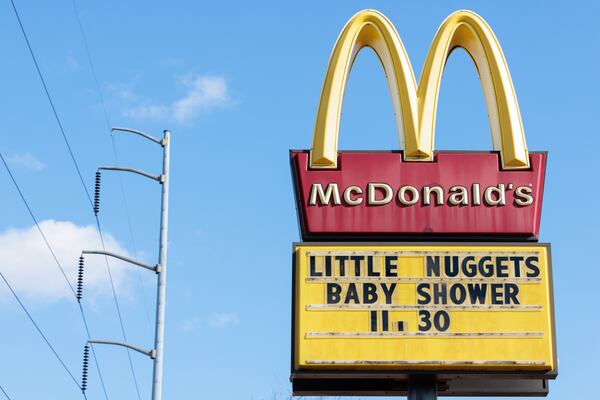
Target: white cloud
x,y
31,270
190,325
224,319
26,161
125,92
204,93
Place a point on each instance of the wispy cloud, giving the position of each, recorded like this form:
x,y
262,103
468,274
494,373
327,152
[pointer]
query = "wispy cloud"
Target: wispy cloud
x,y
224,319
26,161
29,266
72,61
124,92
190,325
203,94
218,320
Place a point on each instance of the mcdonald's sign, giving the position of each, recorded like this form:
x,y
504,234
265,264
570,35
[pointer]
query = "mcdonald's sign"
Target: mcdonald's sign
x,y
385,289
419,192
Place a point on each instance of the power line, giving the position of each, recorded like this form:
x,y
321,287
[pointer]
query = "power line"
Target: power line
x,y
76,165
112,285
4,391
60,360
87,331
58,264
62,271
114,149
130,228
62,130
89,57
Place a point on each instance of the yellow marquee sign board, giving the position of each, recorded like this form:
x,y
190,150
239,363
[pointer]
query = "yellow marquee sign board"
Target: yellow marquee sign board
x,y
423,307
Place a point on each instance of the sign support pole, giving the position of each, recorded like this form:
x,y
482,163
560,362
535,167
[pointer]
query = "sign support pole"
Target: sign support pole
x,y
422,390
157,378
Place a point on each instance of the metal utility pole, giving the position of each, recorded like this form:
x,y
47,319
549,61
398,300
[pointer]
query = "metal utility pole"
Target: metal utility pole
x,y
159,341
156,354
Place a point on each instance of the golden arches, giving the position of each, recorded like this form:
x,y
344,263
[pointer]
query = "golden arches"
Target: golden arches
x,y
415,107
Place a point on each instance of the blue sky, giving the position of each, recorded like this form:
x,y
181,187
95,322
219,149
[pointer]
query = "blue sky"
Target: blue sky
x,y
238,84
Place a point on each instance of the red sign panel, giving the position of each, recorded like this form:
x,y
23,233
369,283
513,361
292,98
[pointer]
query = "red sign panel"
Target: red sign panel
x,y
378,194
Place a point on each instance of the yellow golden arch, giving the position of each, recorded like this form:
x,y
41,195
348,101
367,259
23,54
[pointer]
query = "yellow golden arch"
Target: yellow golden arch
x,y
415,107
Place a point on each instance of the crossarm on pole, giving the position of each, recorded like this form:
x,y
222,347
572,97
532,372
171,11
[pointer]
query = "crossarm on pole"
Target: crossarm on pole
x,y
159,178
154,268
140,133
149,353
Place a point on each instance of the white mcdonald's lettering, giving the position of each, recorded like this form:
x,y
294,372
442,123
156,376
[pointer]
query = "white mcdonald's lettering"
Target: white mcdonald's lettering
x,y
373,188
325,197
379,194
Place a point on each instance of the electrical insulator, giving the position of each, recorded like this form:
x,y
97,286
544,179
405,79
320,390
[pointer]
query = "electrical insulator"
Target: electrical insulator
x,y
86,361
80,280
97,193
